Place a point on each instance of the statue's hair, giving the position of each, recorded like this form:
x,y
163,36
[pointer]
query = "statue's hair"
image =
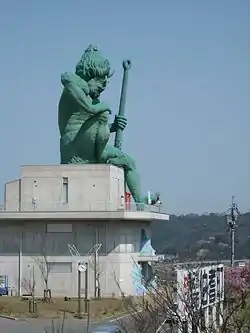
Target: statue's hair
x,y
92,64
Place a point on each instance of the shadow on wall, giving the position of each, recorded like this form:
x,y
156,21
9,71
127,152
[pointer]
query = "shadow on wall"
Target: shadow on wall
x,y
142,272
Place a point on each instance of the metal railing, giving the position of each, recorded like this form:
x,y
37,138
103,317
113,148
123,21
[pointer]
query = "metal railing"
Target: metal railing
x,y
77,206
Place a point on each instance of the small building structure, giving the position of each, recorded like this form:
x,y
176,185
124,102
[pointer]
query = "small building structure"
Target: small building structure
x,y
51,209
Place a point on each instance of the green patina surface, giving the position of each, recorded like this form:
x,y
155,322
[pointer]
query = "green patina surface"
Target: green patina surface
x,y
84,119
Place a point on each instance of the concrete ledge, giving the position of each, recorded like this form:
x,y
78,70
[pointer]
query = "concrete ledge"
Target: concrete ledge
x,y
8,317
78,215
146,258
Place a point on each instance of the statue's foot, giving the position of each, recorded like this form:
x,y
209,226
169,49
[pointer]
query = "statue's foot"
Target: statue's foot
x,y
116,161
78,160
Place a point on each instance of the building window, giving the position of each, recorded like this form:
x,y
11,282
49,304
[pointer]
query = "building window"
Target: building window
x,y
65,190
60,267
59,227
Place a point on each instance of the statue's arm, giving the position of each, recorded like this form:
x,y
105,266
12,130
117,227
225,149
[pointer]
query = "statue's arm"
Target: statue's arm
x,y
78,90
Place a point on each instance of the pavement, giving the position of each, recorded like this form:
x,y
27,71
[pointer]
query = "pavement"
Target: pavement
x,y
8,325
71,325
43,326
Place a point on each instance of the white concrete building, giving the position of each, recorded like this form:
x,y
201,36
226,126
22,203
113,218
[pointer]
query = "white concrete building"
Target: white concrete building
x,y
50,207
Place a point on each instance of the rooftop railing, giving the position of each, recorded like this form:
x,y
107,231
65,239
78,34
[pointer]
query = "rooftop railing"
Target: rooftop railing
x,y
78,206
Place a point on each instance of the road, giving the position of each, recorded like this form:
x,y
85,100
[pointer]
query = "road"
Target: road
x,y
131,325
44,325
71,325
39,326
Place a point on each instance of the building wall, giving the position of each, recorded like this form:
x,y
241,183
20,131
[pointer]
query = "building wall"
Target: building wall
x,y
12,195
67,187
120,247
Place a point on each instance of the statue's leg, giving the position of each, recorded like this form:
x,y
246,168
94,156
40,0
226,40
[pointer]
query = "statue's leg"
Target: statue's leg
x,y
117,157
69,154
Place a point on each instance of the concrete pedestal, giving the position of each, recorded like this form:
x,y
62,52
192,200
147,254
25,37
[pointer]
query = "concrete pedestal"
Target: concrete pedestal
x,y
50,207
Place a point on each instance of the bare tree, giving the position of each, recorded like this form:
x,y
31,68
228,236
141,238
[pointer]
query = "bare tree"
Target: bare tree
x,y
29,283
179,305
99,271
97,267
44,266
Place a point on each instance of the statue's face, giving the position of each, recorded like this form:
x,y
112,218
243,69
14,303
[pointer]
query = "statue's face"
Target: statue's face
x,y
97,86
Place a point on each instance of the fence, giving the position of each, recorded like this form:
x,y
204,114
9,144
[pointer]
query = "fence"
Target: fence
x,y
58,206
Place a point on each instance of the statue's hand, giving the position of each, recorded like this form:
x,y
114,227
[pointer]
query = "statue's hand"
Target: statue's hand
x,y
102,107
120,122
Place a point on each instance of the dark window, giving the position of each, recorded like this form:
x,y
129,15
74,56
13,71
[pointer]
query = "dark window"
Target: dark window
x,y
65,190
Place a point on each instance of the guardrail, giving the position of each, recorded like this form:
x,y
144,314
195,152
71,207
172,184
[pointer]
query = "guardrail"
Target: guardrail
x,y
104,206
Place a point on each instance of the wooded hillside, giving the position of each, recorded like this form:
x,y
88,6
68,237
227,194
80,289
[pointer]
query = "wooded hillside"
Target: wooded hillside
x,y
195,236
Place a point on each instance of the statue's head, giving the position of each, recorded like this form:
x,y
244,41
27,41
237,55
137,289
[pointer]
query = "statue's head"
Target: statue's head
x,y
94,69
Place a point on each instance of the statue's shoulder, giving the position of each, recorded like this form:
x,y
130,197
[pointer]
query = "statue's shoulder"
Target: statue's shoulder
x,y
75,79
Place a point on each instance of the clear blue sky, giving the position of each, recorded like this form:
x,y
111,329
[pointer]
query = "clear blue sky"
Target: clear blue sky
x,y
188,105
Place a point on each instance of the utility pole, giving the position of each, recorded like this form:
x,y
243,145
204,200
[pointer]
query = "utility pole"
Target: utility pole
x,y
231,221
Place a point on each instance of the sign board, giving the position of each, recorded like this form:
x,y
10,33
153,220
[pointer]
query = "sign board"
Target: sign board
x,y
82,268
202,287
4,287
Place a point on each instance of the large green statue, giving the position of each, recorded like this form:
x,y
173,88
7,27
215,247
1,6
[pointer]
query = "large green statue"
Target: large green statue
x,y
84,120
